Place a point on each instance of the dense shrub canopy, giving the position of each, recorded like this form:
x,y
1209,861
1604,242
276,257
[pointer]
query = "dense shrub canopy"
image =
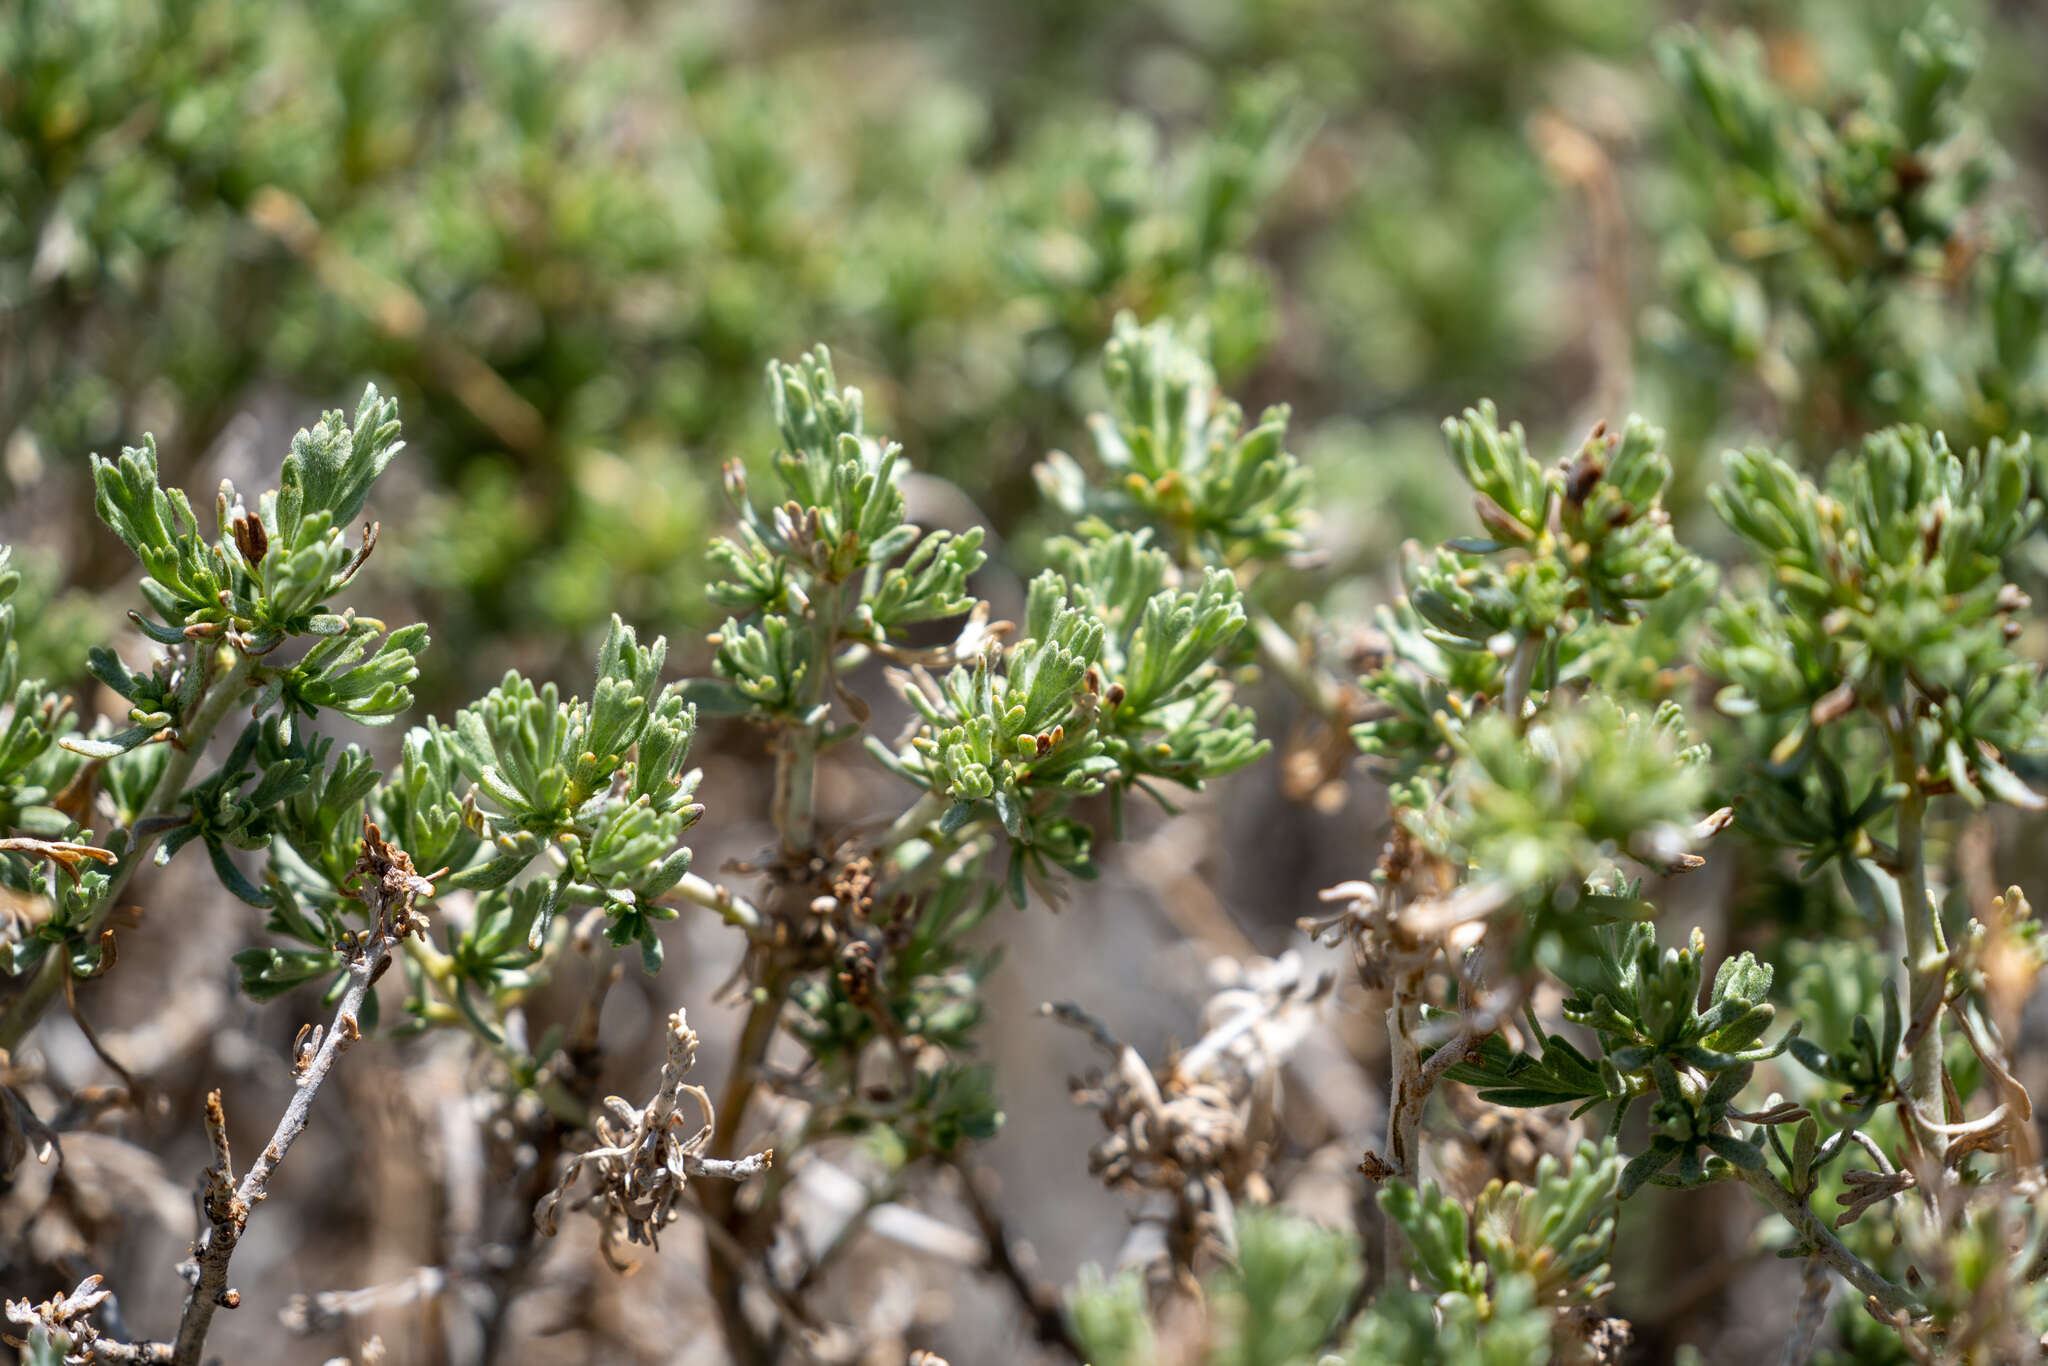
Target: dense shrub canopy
x,y
1450,585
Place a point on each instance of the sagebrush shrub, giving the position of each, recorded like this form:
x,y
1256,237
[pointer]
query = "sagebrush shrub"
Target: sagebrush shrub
x,y
1602,706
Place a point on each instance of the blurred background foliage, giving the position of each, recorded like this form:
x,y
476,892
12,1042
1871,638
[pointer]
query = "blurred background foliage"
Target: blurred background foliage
x,y
567,236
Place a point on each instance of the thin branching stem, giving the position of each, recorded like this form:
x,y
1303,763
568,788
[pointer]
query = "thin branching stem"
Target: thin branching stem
x,y
1039,1300
731,907
1406,1095
1926,954
217,1244
1415,1075
390,887
1824,1245
794,813
720,1202
915,820
1280,653
1812,1314
796,762
726,1251
795,775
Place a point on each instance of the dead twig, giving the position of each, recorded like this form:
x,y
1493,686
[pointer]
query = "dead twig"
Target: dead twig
x,y
305,1315
390,887
1040,1301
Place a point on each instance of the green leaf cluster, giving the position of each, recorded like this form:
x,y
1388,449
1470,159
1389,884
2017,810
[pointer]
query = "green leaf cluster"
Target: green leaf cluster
x,y
1546,809
1847,250
1883,646
1281,1302
266,577
1494,1277
837,565
1176,457
1551,1239
33,769
1112,686
1561,587
1658,1039
595,792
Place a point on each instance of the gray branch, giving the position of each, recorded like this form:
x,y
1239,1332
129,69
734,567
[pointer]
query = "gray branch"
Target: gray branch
x,y
389,888
227,1217
1823,1244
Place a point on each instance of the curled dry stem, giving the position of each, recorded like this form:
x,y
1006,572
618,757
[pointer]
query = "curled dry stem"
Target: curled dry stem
x,y
65,1324
66,854
643,1161
1196,1135
1394,947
